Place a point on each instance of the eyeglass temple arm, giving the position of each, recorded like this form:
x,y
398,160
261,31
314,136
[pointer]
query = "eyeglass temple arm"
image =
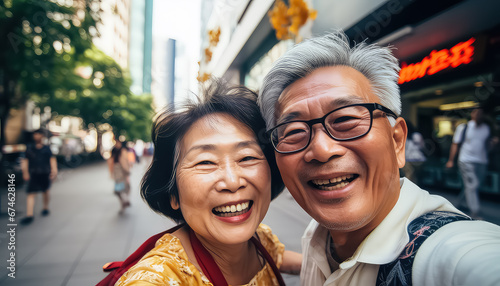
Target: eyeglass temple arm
x,y
386,110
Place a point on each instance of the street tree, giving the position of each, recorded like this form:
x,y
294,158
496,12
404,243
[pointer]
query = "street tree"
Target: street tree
x,y
40,44
101,95
48,57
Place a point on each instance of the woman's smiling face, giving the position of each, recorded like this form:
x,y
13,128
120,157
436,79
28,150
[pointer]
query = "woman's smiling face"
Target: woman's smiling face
x,y
223,179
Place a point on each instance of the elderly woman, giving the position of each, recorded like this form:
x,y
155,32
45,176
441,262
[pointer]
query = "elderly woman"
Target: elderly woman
x,y
211,172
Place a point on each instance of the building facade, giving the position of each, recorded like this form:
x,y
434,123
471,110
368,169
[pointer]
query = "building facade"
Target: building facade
x,y
140,46
449,53
114,30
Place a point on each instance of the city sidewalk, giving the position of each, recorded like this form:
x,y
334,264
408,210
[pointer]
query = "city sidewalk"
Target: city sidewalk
x,y
82,233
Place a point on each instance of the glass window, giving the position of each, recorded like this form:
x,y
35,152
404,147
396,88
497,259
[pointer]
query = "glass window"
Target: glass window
x,y
254,78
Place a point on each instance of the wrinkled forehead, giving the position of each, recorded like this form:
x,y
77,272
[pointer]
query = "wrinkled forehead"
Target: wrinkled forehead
x,y
217,123
339,85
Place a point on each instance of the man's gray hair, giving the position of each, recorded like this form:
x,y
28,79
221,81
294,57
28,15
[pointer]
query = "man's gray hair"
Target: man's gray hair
x,y
376,63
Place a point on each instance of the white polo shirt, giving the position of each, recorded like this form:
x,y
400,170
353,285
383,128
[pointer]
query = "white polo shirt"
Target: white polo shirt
x,y
474,145
460,253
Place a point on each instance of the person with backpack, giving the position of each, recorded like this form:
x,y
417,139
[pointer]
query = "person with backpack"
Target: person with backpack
x,y
472,141
333,116
215,176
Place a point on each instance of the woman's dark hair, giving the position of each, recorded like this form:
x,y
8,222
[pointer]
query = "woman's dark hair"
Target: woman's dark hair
x,y
116,152
159,184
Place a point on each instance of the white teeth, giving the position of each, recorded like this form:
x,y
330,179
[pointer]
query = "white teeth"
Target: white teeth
x,y
233,208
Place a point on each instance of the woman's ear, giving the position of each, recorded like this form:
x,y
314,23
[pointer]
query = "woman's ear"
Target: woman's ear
x,y
174,203
399,133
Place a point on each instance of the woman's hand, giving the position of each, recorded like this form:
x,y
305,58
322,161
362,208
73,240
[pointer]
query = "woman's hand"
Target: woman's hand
x,y
292,262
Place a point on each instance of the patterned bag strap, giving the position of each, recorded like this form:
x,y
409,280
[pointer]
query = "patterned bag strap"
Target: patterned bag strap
x,y
399,271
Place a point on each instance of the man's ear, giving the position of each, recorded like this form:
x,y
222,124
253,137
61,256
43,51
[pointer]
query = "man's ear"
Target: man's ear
x,y
399,133
174,203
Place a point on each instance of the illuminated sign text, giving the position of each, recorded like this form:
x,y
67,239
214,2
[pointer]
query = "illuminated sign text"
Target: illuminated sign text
x,y
437,61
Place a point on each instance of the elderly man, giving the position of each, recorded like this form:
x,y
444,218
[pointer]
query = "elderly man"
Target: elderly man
x,y
332,114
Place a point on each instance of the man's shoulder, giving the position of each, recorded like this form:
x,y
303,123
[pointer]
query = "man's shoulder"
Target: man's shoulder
x,y
467,231
30,146
461,238
30,149
458,249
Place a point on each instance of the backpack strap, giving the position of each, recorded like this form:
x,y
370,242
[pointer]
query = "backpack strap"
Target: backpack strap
x,y
463,133
117,268
399,271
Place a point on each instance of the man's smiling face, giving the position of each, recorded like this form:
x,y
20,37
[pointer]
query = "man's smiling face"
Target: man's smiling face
x,y
348,185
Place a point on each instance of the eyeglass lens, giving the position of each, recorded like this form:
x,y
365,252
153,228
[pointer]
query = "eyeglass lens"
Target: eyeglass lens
x,y
343,124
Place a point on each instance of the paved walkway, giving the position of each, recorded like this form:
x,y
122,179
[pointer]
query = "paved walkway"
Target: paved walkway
x,y
82,232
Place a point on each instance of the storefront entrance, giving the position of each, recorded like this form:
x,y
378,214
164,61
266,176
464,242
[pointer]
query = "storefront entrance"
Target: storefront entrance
x,y
436,117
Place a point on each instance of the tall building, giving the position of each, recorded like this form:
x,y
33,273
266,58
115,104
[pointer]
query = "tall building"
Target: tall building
x,y
170,71
175,51
164,72
148,47
140,48
114,30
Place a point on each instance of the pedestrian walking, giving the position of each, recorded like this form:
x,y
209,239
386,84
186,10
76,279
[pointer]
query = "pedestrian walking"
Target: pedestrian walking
x,y
414,153
119,169
39,167
139,150
132,157
471,141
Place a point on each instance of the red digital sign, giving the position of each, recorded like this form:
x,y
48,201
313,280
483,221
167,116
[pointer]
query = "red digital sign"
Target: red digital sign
x,y
436,61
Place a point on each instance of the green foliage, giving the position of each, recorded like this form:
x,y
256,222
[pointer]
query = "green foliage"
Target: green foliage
x,y
103,97
41,41
47,55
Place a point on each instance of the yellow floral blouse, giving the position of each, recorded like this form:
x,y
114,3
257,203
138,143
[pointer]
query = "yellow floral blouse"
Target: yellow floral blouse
x,y
168,264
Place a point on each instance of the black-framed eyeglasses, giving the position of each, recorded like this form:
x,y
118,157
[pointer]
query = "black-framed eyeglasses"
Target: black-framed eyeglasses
x,y
342,124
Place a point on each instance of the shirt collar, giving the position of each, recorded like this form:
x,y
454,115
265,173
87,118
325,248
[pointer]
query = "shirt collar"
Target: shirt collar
x,y
387,240
317,248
